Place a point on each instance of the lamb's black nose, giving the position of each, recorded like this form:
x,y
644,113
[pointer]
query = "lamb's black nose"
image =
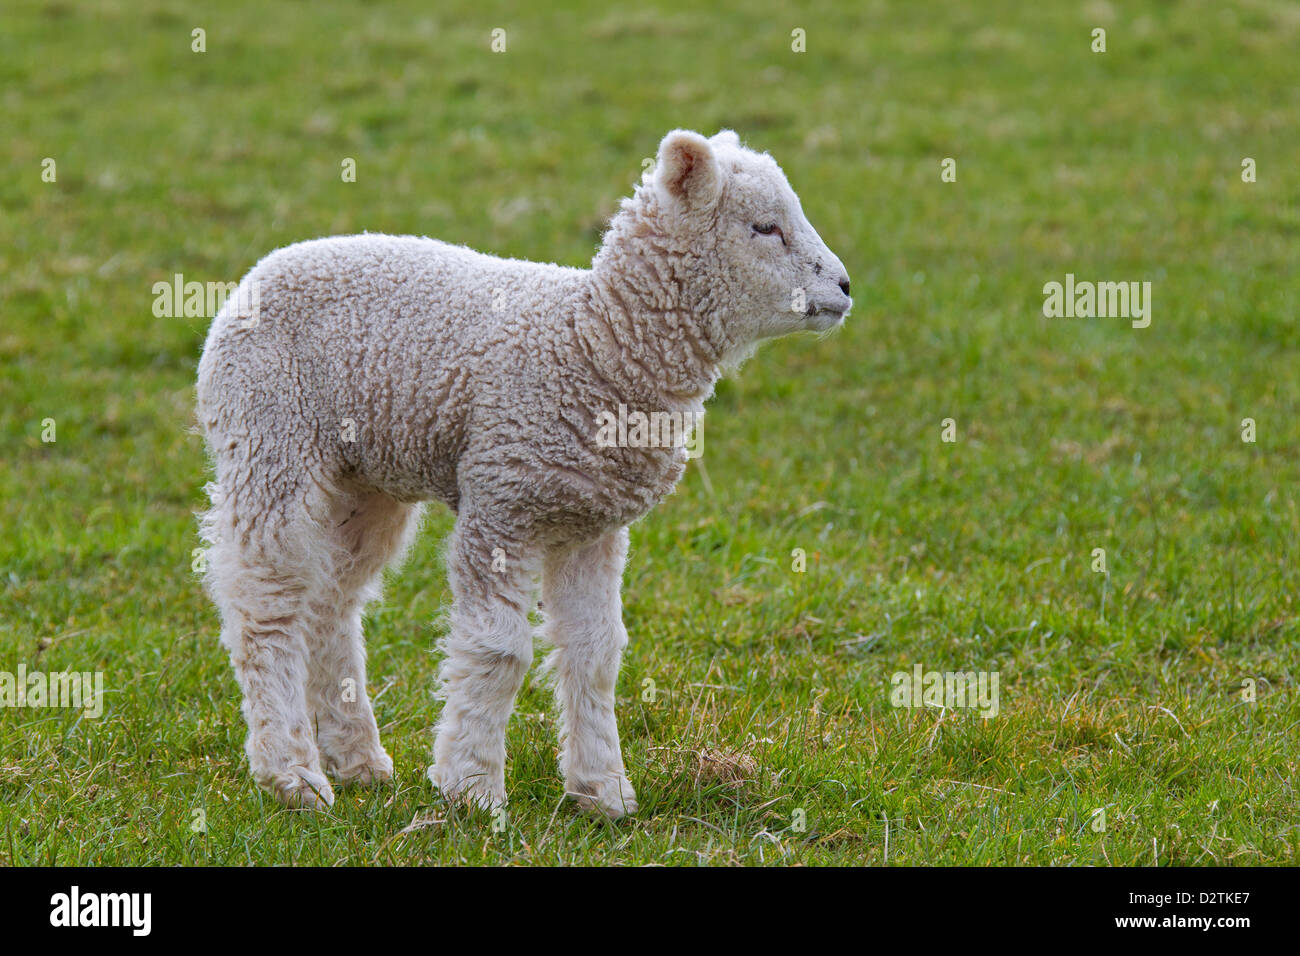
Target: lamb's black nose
x,y
844,286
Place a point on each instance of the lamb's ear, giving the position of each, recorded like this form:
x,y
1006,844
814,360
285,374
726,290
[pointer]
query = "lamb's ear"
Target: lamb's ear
x,y
727,137
687,170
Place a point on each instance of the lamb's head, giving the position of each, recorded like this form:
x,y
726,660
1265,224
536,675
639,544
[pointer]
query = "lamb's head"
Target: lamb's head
x,y
757,256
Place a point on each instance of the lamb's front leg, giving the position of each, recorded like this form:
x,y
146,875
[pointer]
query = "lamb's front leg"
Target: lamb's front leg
x,y
584,620
488,652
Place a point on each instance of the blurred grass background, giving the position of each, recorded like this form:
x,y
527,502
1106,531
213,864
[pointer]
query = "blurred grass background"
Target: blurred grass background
x,y
1118,691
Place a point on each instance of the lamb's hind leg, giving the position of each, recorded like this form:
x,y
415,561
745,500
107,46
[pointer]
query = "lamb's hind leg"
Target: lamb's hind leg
x,y
262,574
367,532
584,620
488,652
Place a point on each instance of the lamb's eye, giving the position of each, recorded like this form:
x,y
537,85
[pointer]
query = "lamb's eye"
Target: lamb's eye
x,y
768,228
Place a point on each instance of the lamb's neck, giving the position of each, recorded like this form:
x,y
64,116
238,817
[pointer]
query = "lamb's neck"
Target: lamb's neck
x,y
644,335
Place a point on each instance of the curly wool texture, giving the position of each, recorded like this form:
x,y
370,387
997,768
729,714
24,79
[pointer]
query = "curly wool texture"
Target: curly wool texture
x,y
352,378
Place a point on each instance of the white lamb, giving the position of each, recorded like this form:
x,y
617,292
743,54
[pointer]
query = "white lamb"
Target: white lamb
x,y
353,378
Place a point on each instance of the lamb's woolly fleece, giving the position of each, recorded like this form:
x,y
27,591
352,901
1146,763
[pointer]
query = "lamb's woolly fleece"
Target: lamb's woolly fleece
x,y
353,377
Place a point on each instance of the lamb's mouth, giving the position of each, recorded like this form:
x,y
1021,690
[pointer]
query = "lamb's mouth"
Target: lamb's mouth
x,y
822,319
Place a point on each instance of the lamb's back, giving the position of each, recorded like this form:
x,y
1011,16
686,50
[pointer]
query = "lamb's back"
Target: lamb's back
x,y
382,344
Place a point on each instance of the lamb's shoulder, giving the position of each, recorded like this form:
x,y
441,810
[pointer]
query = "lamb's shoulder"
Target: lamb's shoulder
x,y
563,449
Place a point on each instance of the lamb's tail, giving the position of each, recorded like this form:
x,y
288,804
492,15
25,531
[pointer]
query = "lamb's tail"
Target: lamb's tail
x,y
239,314
209,534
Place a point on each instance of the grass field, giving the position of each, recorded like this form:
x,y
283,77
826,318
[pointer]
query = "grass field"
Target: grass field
x,y
770,737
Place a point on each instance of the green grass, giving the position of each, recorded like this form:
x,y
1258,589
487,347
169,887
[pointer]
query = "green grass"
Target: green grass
x,y
1120,691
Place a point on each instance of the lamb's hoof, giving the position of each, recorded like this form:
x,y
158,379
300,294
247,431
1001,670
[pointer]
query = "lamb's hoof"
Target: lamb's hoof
x,y
470,789
358,770
611,797
299,788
